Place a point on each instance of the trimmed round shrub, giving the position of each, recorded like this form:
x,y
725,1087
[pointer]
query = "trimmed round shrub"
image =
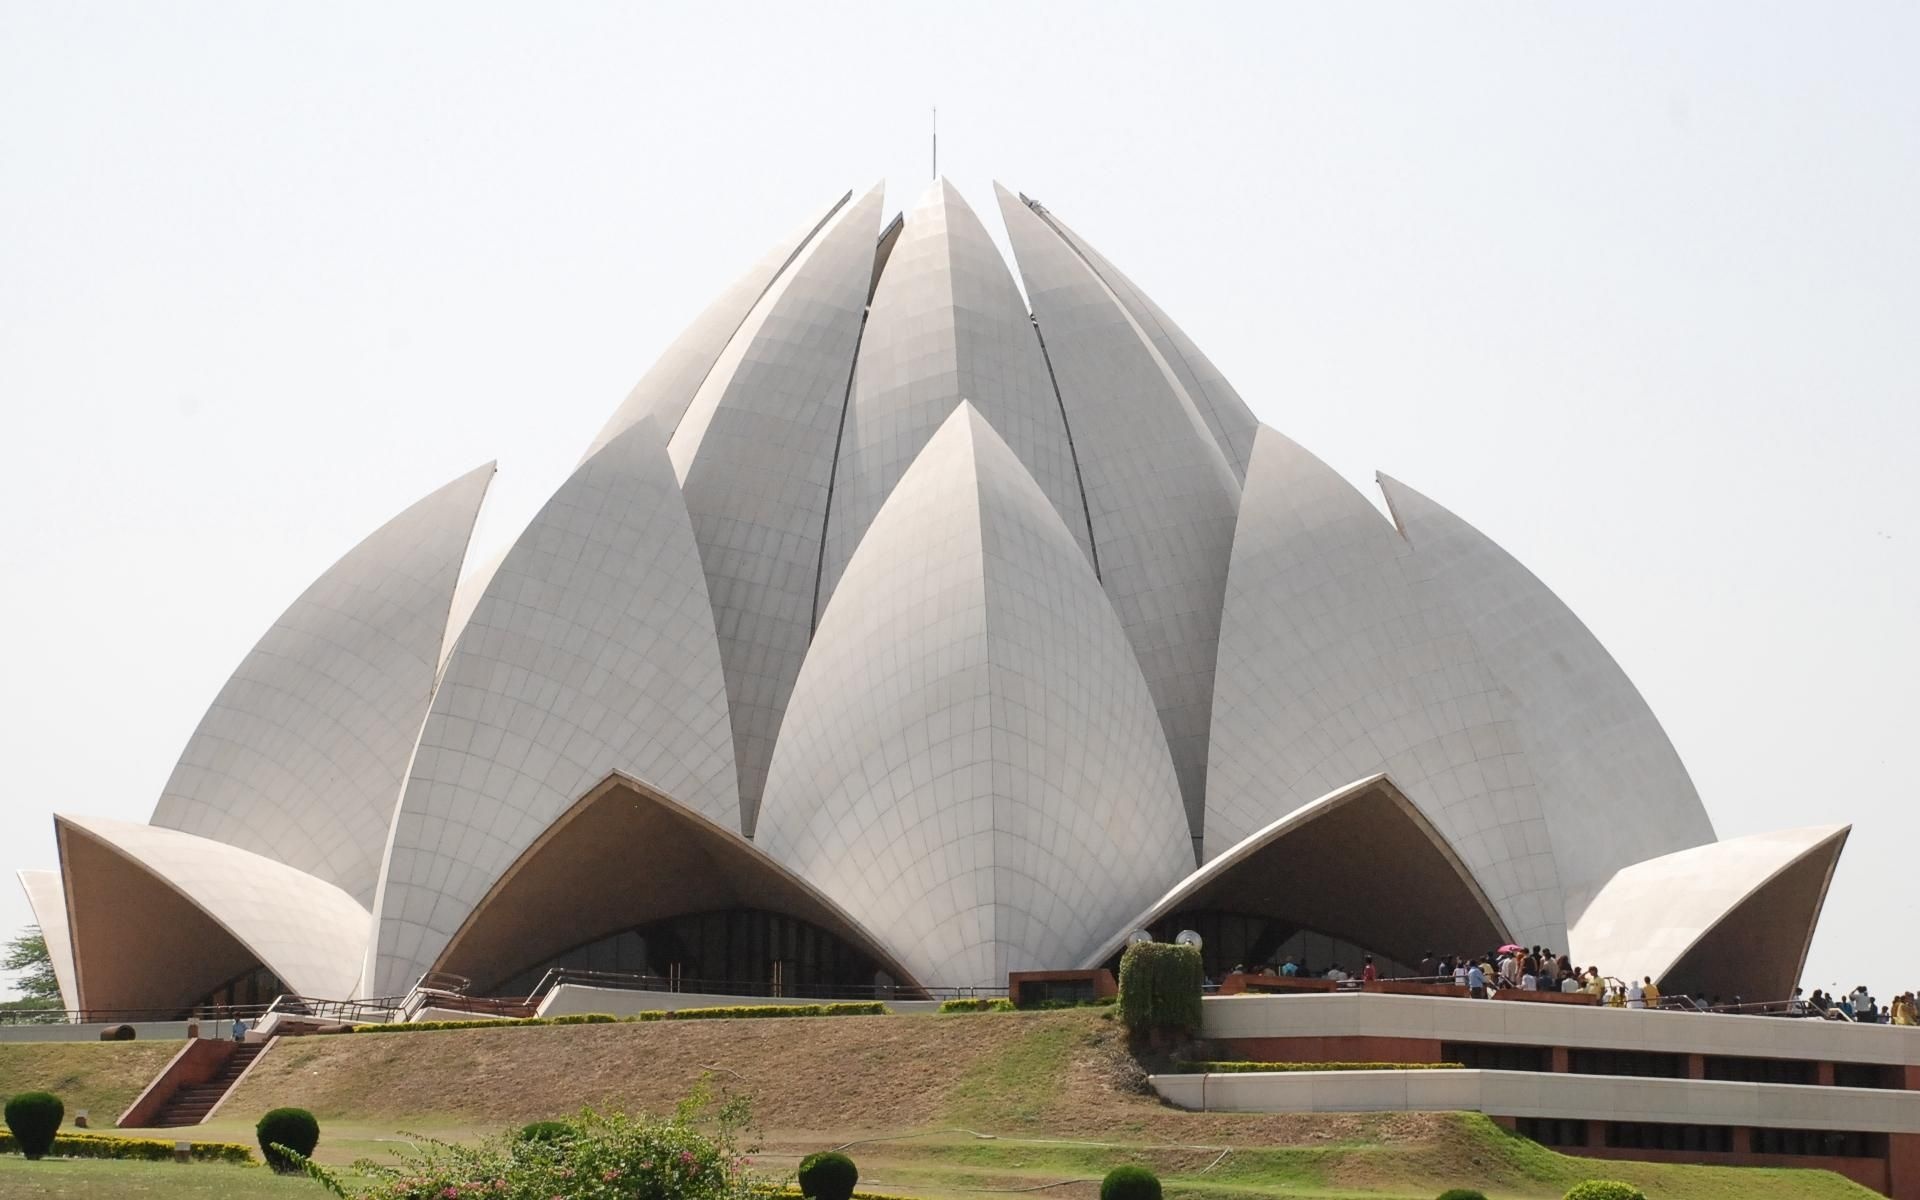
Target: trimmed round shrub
x,y
546,1131
1604,1189
1462,1194
294,1128
34,1118
828,1175
1130,1183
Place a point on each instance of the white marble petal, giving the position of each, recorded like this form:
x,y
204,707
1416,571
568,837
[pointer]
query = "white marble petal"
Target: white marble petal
x,y
1338,662
48,899
1611,787
1161,496
303,751
755,455
1311,864
309,933
1226,414
947,324
664,392
972,766
592,650
1649,915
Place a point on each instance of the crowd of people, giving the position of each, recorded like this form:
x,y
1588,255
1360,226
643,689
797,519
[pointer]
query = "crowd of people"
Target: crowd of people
x,y
1537,968
1857,1006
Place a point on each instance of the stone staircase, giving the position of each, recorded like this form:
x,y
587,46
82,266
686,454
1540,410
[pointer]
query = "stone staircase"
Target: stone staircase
x,y
191,1104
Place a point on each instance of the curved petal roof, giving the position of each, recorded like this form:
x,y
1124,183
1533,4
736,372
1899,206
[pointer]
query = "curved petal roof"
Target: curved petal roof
x,y
48,899
134,891
947,324
1008,610
754,455
972,766
1320,865
1612,788
622,857
1336,663
1159,493
1748,904
1227,416
591,650
301,754
664,392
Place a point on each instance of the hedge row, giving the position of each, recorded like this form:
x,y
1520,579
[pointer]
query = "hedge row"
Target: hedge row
x,y
83,1145
972,1004
1160,986
865,1008
1229,1068
857,1008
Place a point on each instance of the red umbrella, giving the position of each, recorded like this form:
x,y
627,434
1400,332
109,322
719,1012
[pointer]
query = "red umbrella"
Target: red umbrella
x,y
1510,948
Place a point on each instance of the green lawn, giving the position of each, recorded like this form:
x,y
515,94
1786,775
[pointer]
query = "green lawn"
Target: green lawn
x,y
95,1179
1055,1099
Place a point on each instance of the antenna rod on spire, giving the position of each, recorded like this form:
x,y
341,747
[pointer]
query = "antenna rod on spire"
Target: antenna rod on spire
x,y
936,141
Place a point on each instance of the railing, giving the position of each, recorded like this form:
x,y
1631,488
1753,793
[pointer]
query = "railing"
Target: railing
x,y
376,1010
210,1013
764,989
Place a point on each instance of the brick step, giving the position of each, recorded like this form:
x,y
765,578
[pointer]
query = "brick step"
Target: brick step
x,y
190,1105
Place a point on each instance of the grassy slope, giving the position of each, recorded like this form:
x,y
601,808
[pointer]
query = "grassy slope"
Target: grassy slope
x,y
99,1077
1057,1092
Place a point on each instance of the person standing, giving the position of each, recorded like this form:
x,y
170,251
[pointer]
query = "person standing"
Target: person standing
x,y
1369,973
1636,995
1476,982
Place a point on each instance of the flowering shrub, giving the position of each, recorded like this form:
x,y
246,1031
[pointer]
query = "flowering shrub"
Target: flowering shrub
x,y
604,1156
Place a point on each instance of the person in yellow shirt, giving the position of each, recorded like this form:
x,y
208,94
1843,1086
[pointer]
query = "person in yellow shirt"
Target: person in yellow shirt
x,y
1652,990
1596,986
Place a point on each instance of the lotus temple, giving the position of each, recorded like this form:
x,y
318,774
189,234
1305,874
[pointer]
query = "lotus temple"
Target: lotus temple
x,y
908,626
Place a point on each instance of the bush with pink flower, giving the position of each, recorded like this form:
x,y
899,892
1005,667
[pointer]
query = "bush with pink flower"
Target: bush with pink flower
x,y
695,1154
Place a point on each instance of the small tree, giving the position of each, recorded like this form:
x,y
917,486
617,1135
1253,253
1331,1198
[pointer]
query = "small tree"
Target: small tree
x,y
294,1128
827,1175
1160,987
546,1131
1130,1183
32,965
34,1119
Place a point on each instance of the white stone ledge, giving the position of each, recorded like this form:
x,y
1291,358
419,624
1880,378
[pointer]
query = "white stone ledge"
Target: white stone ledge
x,y
1518,1023
1542,1094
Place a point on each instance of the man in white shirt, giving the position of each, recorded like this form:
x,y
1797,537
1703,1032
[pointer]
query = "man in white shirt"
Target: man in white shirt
x,y
1571,983
1636,995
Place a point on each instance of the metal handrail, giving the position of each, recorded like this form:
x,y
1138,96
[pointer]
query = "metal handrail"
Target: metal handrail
x,y
754,989
356,1012
128,1016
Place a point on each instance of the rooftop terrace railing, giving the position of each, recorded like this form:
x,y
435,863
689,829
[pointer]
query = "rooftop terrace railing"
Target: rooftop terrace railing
x,y
761,989
210,1013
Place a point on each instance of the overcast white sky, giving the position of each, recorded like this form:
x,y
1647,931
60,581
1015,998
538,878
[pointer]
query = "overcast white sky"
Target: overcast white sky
x,y
1634,288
